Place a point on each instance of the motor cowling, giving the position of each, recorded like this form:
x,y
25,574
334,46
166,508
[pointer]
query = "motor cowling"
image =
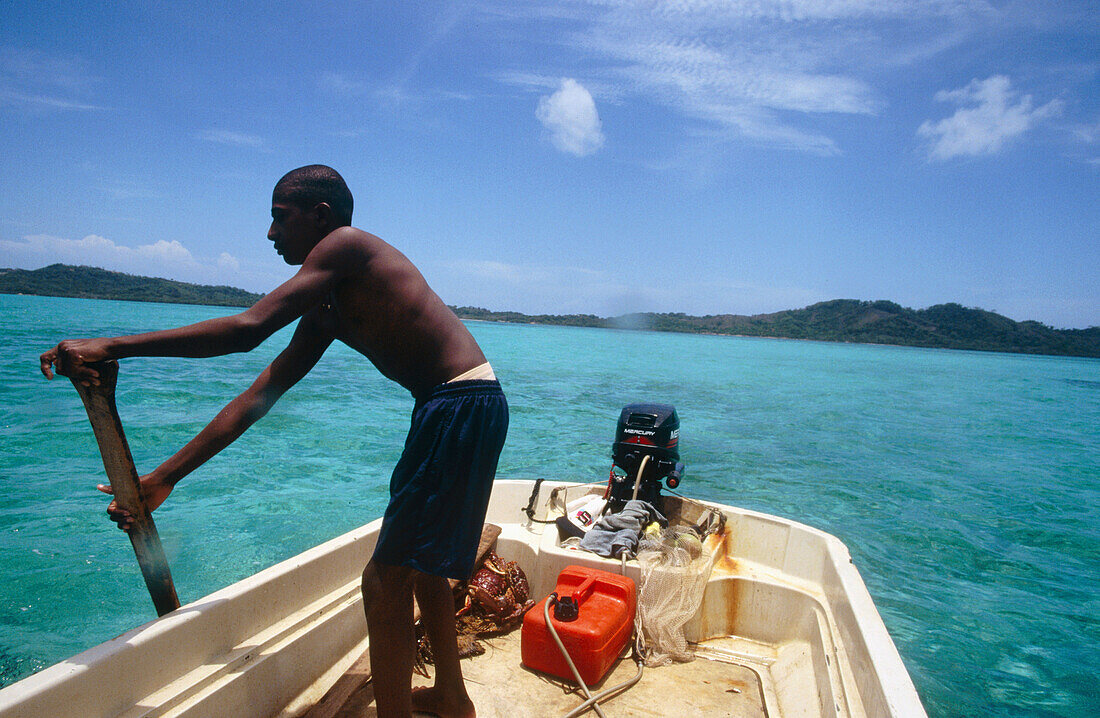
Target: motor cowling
x,y
645,430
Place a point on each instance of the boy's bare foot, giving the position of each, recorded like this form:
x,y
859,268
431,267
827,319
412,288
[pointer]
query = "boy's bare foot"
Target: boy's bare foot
x,y
435,701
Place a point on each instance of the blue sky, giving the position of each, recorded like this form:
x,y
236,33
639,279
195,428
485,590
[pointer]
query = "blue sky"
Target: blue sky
x,y
598,156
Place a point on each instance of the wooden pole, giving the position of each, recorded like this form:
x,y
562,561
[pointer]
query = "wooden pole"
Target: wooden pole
x,y
99,401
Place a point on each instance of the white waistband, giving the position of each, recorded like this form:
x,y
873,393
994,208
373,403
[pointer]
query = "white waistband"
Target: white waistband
x,y
482,372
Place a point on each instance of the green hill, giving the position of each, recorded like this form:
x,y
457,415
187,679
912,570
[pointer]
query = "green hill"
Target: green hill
x,y
62,280
946,326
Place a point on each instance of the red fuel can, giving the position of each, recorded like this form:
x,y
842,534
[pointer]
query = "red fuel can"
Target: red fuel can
x,y
604,623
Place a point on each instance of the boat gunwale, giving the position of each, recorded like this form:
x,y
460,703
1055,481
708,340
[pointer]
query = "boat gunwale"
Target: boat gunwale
x,y
862,631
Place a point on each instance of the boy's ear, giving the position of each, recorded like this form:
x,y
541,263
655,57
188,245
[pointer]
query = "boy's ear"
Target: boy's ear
x,y
322,212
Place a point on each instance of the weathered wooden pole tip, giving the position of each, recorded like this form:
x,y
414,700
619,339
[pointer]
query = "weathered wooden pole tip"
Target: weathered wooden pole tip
x,y
99,401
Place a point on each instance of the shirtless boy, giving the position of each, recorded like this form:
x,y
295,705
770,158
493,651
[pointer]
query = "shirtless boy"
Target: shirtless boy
x,y
354,287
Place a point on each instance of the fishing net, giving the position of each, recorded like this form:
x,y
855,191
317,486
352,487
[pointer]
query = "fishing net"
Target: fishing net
x,y
675,569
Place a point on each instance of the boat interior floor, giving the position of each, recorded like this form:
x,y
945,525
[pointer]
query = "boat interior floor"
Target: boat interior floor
x,y
717,683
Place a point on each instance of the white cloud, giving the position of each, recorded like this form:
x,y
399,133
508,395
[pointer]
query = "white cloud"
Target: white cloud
x,y
159,259
226,137
227,261
990,114
570,115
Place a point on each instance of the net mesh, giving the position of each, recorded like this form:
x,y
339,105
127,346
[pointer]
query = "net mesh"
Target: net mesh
x,y
675,569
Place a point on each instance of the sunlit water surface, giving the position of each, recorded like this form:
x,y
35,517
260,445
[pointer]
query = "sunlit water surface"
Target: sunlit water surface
x,y
966,485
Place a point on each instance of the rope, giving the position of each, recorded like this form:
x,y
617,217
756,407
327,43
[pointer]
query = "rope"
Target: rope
x,y
530,510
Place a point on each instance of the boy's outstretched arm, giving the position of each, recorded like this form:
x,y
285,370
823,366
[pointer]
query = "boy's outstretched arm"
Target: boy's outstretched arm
x,y
311,339
325,266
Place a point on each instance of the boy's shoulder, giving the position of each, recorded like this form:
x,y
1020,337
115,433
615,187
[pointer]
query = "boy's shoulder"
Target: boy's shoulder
x,y
348,251
348,235
346,243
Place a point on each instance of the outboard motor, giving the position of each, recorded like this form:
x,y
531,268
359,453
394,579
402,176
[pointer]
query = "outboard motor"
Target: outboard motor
x,y
647,441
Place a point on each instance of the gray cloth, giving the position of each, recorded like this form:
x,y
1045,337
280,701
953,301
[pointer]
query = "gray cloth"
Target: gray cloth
x,y
616,534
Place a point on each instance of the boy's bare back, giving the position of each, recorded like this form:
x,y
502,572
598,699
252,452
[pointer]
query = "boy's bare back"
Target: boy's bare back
x,y
383,308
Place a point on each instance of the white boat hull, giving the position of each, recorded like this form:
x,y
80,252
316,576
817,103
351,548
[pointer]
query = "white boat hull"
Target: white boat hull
x,y
785,602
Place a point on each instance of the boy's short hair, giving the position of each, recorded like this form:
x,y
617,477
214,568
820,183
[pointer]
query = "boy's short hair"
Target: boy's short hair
x,y
311,185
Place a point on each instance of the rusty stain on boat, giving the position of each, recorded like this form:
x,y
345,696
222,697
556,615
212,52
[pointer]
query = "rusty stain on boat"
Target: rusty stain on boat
x,y
725,563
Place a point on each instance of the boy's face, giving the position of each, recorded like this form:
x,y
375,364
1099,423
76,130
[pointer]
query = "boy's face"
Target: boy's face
x,y
293,230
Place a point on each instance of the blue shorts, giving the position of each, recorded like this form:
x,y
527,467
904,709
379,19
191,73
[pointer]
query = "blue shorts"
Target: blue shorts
x,y
440,488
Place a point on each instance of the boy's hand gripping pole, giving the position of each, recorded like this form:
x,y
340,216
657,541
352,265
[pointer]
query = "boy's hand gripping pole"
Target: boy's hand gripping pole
x,y
99,401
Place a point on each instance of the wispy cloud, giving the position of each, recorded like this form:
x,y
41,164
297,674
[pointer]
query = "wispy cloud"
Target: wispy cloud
x,y
396,97
389,96
746,70
1088,134
571,117
39,81
399,91
129,190
520,274
558,289
340,83
564,289
228,137
990,114
43,102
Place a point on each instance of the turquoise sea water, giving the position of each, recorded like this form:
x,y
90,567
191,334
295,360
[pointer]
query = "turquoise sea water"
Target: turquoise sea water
x,y
966,485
